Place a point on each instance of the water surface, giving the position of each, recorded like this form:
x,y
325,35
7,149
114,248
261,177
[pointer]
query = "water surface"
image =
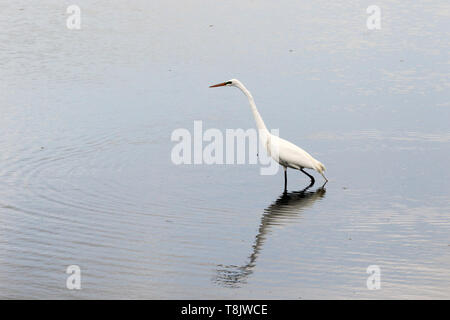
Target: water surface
x,y
85,171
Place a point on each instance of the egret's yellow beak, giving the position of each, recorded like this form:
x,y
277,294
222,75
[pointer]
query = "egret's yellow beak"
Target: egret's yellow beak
x,y
220,84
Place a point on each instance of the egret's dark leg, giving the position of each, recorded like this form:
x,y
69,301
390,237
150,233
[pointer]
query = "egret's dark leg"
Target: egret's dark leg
x,y
285,179
310,176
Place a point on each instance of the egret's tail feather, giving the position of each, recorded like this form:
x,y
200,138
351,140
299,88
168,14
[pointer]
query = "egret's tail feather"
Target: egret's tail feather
x,y
319,167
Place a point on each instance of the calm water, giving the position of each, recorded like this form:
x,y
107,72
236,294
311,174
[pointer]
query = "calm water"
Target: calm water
x,y
85,171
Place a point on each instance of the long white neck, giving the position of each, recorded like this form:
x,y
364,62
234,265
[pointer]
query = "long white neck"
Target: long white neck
x,y
259,121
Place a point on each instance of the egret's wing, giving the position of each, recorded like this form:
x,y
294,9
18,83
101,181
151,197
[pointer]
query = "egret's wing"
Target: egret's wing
x,y
291,155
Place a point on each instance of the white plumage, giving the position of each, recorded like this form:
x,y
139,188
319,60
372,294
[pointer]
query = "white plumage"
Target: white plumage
x,y
294,157
284,152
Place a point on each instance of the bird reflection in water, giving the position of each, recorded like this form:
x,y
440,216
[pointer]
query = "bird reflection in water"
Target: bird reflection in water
x,y
288,206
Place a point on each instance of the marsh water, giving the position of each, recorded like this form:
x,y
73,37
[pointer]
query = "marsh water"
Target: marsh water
x,y
86,176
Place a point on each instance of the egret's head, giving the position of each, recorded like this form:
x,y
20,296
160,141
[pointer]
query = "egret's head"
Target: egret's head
x,y
229,83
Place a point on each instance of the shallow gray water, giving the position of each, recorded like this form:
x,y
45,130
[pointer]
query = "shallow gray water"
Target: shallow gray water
x,y
86,176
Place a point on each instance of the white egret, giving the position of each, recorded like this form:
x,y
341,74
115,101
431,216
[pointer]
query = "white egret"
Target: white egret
x,y
284,152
